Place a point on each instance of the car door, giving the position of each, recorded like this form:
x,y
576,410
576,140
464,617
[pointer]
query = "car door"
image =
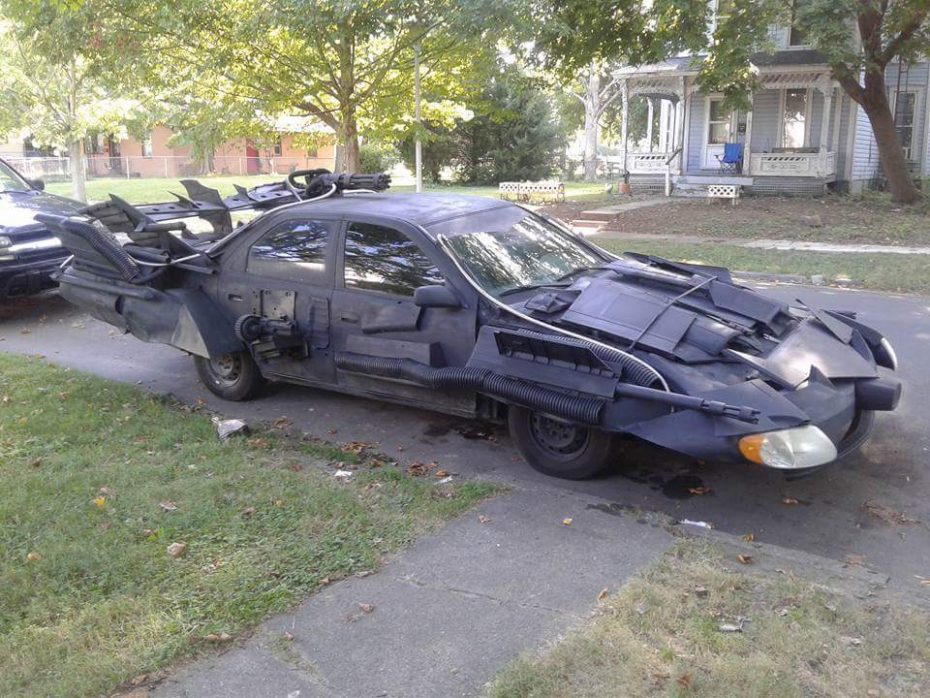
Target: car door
x,y
373,312
283,275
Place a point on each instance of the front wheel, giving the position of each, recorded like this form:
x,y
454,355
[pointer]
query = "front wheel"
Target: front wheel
x,y
559,448
233,376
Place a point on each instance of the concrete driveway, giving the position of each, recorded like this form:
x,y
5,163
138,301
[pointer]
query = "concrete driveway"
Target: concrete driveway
x,y
847,510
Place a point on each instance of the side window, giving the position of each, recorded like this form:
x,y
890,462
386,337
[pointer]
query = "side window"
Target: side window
x,y
292,249
383,259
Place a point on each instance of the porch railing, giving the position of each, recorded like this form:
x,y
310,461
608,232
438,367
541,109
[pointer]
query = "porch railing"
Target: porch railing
x,y
651,163
821,165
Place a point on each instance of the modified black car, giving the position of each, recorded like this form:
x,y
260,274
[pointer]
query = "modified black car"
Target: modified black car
x,y
29,253
481,308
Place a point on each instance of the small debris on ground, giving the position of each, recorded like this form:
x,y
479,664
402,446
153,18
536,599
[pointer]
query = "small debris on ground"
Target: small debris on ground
x,y
700,490
567,521
366,607
744,559
342,474
218,637
853,641
178,549
889,515
700,592
168,505
603,594
228,427
749,537
699,524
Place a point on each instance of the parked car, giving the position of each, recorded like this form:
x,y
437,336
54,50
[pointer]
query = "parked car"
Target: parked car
x,y
481,308
29,253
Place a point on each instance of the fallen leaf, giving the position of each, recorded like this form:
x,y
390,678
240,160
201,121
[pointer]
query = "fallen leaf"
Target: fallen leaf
x,y
603,594
356,447
178,549
257,442
36,463
281,423
326,581
700,490
100,502
248,512
33,557
730,628
279,502
218,637
853,559
748,537
744,559
365,573
168,505
700,592
684,680
138,680
287,637
366,607
419,468
567,521
483,519
441,473
790,501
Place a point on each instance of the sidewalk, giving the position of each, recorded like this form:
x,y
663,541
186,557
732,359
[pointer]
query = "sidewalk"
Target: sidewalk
x,y
443,617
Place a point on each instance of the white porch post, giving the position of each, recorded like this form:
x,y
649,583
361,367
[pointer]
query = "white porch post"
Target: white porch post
x,y
624,126
826,89
650,116
683,116
747,144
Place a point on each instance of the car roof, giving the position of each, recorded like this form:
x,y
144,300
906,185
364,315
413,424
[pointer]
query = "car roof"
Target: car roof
x,y
419,209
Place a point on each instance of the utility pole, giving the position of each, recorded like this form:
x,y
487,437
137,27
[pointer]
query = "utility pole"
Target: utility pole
x,y
418,146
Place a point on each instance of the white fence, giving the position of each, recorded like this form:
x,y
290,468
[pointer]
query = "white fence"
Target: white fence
x,y
132,167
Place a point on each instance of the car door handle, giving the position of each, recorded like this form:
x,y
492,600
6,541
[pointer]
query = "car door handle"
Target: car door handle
x,y
349,317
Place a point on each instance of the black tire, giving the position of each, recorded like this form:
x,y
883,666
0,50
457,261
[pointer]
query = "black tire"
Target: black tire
x,y
558,448
232,376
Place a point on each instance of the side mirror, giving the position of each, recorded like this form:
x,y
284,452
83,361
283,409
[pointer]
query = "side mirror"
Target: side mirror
x,y
37,184
436,297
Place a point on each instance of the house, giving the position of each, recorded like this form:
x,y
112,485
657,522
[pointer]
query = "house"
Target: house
x,y
295,143
802,134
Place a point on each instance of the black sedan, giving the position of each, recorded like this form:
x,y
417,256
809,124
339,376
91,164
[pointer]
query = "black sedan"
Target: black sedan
x,y
481,308
29,253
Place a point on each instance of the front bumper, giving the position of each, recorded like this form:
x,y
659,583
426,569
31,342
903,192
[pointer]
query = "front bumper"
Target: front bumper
x,y
25,277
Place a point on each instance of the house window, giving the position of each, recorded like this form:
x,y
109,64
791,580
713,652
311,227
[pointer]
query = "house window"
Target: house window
x,y
905,112
147,146
719,123
795,118
278,150
798,34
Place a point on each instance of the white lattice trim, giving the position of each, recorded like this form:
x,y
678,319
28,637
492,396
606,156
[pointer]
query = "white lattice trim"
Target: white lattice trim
x,y
723,191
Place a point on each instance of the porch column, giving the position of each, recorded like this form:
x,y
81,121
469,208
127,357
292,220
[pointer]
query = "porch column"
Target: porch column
x,y
624,125
682,117
747,141
827,92
650,116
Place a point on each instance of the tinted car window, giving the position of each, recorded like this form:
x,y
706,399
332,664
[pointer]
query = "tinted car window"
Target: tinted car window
x,y
293,248
383,259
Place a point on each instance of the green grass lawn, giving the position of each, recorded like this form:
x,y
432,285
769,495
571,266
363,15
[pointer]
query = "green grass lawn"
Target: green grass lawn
x,y
160,188
661,636
880,272
98,479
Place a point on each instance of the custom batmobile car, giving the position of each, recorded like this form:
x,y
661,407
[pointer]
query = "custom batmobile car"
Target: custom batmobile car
x,y
29,253
481,308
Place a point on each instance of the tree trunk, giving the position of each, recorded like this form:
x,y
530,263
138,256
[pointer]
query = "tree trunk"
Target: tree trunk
x,y
591,108
76,165
891,154
351,161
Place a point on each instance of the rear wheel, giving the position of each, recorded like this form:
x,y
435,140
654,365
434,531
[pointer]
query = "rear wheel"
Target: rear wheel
x,y
232,376
558,448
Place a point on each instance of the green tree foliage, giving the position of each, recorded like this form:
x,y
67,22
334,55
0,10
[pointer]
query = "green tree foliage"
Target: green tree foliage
x,y
514,134
347,63
55,85
858,39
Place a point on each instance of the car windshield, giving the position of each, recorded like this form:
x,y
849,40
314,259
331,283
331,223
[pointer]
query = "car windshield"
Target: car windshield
x,y
10,180
529,253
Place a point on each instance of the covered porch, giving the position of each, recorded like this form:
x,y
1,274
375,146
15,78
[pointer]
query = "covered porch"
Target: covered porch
x,y
788,138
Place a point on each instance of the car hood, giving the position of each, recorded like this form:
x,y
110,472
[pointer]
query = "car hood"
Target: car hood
x,y
692,315
17,210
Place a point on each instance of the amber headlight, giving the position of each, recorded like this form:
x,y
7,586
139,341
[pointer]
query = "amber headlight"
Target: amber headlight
x,y
789,449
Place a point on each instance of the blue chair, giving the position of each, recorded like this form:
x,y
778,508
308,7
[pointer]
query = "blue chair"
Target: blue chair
x,y
731,162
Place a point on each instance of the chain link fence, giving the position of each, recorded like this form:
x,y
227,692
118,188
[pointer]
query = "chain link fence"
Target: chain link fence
x,y
58,169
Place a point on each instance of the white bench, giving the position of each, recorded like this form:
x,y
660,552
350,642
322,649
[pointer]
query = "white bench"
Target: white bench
x,y
525,191
723,191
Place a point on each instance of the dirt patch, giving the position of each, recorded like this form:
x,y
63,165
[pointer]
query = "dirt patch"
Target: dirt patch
x,y
834,218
